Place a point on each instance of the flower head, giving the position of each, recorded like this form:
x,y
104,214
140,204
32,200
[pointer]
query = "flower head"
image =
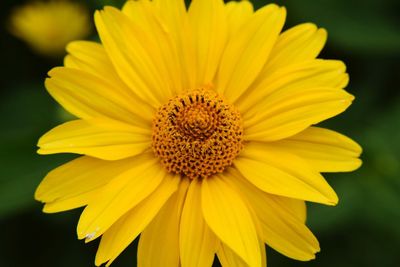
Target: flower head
x,y
196,130
48,26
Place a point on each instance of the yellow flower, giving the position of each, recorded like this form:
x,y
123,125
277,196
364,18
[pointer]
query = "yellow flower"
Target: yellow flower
x,y
196,132
49,26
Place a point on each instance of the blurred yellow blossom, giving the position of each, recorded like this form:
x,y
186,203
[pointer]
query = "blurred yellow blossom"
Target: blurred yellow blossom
x,y
47,26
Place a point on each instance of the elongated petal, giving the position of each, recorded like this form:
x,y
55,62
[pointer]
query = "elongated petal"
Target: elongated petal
x,y
228,258
228,217
70,202
91,57
325,150
197,242
208,21
246,53
263,253
78,177
100,138
300,43
173,14
237,14
289,112
119,196
176,20
297,77
277,172
126,229
159,242
293,62
281,229
87,96
296,207
131,47
147,15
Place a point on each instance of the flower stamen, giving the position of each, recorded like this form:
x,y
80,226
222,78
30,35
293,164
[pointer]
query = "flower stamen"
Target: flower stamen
x,y
197,134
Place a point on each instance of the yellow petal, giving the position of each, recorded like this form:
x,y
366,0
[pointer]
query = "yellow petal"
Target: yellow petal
x,y
174,13
263,253
291,111
119,196
325,150
71,62
131,48
247,52
126,229
302,76
281,229
301,43
87,96
208,21
90,57
228,258
159,242
237,14
99,138
70,202
296,207
137,11
229,218
175,17
197,242
280,173
148,16
78,177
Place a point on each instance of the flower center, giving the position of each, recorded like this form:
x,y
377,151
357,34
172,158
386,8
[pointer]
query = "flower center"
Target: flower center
x,y
197,134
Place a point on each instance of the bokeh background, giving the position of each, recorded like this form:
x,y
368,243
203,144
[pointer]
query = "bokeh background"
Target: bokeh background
x,y
363,230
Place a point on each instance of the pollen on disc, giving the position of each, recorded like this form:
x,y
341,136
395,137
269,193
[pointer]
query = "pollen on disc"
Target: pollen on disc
x,y
197,134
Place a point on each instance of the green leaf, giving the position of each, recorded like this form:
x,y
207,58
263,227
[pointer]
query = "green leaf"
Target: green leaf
x,y
26,113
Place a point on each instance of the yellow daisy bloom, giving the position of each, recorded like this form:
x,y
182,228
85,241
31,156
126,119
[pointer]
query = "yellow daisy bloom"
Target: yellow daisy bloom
x,y
49,26
196,130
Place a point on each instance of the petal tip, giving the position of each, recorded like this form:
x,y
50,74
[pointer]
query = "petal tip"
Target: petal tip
x,y
52,72
357,165
323,32
41,151
333,201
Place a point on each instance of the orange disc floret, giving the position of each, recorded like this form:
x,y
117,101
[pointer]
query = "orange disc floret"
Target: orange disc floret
x,y
197,134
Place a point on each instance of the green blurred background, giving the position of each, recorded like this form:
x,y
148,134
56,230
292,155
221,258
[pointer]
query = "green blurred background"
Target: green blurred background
x,y
363,230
